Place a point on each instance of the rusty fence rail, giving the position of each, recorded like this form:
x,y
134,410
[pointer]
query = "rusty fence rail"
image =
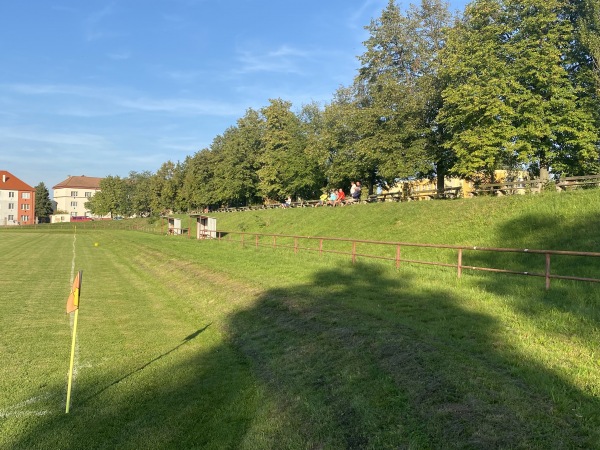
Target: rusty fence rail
x,y
303,242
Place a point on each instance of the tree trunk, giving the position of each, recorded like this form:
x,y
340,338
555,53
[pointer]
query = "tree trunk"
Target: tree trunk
x,y
544,173
441,175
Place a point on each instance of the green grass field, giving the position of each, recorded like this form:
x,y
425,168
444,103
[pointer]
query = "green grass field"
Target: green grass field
x,y
205,344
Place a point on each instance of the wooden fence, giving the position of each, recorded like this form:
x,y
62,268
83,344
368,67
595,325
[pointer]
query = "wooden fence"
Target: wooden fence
x,y
298,243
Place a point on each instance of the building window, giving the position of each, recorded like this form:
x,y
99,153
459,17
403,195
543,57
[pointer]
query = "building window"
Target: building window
x,y
73,213
88,194
25,195
11,217
11,195
73,203
25,207
73,193
11,206
24,218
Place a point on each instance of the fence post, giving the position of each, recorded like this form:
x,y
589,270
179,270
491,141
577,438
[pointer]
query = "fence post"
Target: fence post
x,y
353,252
219,233
398,257
459,265
321,247
547,271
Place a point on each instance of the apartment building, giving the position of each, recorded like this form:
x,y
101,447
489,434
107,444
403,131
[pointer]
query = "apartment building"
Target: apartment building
x,y
17,201
72,194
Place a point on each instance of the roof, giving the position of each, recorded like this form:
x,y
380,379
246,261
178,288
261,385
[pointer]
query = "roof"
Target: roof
x,y
81,182
9,182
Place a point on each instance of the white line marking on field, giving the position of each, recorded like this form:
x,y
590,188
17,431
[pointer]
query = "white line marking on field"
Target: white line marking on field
x,y
7,414
73,261
18,409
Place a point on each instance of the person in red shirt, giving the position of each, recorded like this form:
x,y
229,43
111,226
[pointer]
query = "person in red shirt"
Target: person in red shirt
x,y
341,198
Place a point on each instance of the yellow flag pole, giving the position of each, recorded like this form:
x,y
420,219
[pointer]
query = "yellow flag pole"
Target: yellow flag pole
x,y
70,383
73,306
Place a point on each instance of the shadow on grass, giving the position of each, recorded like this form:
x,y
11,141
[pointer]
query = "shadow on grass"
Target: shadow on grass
x,y
359,357
363,359
578,298
139,369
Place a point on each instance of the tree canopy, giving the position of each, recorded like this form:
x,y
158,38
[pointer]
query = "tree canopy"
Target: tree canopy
x,y
43,204
507,85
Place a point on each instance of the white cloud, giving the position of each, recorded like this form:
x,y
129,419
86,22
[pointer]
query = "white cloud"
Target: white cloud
x,y
284,59
92,25
52,138
108,101
362,15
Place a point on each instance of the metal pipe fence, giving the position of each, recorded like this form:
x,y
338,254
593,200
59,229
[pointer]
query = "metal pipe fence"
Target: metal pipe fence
x,y
296,243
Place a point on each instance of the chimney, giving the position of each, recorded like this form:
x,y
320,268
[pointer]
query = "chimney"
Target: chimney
x,y
4,178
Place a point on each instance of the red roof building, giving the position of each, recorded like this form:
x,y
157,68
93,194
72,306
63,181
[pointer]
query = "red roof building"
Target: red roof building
x,y
17,201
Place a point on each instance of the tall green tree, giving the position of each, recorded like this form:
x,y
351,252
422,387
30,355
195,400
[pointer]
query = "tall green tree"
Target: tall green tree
x,y
481,93
236,159
43,204
398,91
199,184
140,193
587,21
285,167
113,197
164,185
555,130
336,145
510,99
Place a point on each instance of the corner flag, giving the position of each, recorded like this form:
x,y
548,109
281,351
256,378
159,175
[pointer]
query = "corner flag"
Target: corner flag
x,y
73,305
73,300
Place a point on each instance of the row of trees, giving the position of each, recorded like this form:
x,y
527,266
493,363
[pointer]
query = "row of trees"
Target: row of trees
x,y
512,84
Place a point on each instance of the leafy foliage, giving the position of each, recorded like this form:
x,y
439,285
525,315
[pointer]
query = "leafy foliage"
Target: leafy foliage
x,y
510,99
43,204
509,85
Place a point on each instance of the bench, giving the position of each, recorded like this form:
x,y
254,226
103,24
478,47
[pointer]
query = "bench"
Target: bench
x,y
388,196
509,188
426,194
566,183
430,194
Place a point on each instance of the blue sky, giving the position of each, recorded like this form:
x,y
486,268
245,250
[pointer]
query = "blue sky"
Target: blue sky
x,y
103,88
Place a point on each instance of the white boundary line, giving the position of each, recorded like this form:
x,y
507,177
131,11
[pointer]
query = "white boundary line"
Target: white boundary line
x,y
19,411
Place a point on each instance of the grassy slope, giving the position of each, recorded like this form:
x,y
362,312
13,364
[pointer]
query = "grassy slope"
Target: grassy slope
x,y
558,221
289,351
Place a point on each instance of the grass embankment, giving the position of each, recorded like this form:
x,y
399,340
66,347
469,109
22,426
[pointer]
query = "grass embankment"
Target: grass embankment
x,y
186,344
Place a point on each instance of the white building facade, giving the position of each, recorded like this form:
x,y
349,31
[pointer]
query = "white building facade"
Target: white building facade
x,y
72,194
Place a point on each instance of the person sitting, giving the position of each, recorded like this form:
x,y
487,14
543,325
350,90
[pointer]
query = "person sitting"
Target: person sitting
x,y
341,197
356,193
332,198
287,203
322,199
